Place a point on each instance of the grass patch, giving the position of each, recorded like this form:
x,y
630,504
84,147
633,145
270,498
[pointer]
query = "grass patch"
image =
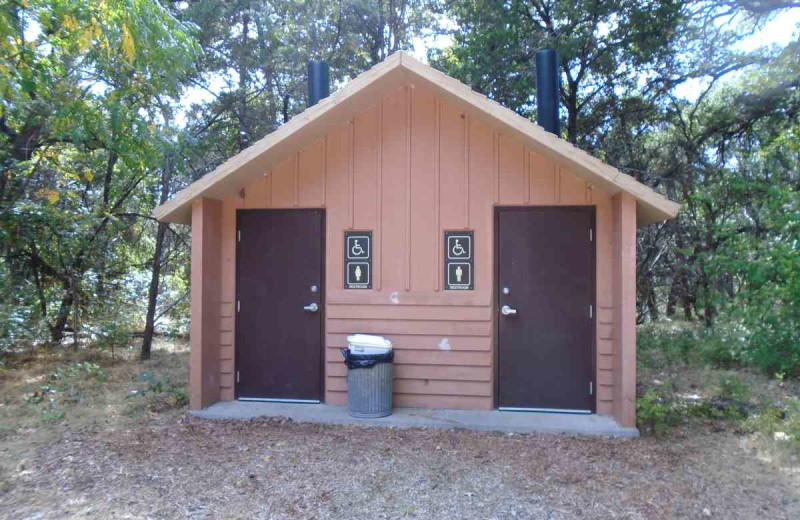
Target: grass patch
x,y
50,388
691,376
159,396
778,424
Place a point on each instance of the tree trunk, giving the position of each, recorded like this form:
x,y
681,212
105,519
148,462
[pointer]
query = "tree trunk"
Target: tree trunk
x,y
57,327
101,264
572,111
672,299
244,78
652,304
155,278
709,311
75,316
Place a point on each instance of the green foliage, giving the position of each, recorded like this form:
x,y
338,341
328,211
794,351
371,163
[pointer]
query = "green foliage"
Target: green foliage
x,y
702,410
85,91
727,344
64,379
673,345
603,46
778,424
655,412
160,395
732,386
62,388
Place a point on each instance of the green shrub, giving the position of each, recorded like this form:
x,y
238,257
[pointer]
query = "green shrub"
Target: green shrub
x,y
160,395
657,346
720,346
702,410
771,345
654,412
733,387
775,420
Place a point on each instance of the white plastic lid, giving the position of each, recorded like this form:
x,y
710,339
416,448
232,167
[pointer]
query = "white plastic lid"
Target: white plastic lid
x,y
366,341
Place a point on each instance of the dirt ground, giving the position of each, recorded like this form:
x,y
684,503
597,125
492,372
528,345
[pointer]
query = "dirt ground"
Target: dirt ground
x,y
130,461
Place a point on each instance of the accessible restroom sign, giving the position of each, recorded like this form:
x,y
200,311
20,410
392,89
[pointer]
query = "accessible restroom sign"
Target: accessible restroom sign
x,y
459,261
358,259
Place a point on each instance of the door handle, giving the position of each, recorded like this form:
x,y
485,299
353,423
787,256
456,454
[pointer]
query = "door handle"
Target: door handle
x,y
311,307
505,310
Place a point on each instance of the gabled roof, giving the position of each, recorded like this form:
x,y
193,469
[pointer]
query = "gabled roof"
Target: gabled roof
x,y
367,89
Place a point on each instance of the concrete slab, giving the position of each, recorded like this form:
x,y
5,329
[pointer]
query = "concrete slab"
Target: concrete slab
x,y
481,420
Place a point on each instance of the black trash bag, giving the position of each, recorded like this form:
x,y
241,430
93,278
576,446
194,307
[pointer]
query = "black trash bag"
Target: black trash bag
x,y
365,360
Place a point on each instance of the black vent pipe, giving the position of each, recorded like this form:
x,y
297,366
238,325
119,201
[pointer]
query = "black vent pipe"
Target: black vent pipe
x,y
548,83
319,81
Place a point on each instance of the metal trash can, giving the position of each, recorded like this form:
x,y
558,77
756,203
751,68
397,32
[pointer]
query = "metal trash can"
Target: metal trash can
x,y
370,378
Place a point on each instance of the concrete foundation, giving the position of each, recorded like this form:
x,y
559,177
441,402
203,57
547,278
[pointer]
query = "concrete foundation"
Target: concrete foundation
x,y
479,420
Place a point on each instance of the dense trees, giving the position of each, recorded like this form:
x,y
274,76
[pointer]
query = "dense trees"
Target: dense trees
x,y
96,128
84,85
257,52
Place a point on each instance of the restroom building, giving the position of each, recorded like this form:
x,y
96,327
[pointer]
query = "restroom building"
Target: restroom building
x,y
499,259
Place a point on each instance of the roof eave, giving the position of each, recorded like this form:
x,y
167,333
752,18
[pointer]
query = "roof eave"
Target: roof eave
x,y
397,70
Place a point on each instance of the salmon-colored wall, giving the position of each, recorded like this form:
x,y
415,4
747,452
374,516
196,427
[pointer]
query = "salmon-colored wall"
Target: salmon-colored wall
x,y
204,368
624,289
409,168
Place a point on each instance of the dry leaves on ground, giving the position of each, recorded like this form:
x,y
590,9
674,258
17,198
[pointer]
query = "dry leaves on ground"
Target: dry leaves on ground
x,y
184,467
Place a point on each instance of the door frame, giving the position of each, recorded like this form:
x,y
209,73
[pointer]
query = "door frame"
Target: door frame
x,y
323,301
592,209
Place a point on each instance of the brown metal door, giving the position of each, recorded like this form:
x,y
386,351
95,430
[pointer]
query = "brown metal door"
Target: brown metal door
x,y
546,274
279,287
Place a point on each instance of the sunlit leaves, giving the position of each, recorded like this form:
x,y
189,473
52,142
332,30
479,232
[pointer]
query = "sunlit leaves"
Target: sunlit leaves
x,y
84,84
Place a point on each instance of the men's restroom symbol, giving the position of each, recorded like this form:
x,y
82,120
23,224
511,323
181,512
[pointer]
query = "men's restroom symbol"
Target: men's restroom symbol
x,y
459,275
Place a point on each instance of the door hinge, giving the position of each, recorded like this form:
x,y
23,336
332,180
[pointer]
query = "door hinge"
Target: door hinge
x,y
237,376
239,235
238,305
591,234
591,387
591,311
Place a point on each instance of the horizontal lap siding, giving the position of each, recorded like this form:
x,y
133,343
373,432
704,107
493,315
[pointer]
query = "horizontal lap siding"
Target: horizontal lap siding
x,y
445,360
408,169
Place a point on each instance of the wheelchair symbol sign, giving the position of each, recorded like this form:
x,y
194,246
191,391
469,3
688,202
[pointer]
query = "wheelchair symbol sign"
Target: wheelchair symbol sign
x,y
357,247
459,247
357,259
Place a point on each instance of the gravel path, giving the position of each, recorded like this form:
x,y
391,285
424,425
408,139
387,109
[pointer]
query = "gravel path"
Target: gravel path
x,y
183,467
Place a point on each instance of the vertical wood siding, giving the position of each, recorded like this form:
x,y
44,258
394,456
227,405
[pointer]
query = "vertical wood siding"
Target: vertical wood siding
x,y
410,168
